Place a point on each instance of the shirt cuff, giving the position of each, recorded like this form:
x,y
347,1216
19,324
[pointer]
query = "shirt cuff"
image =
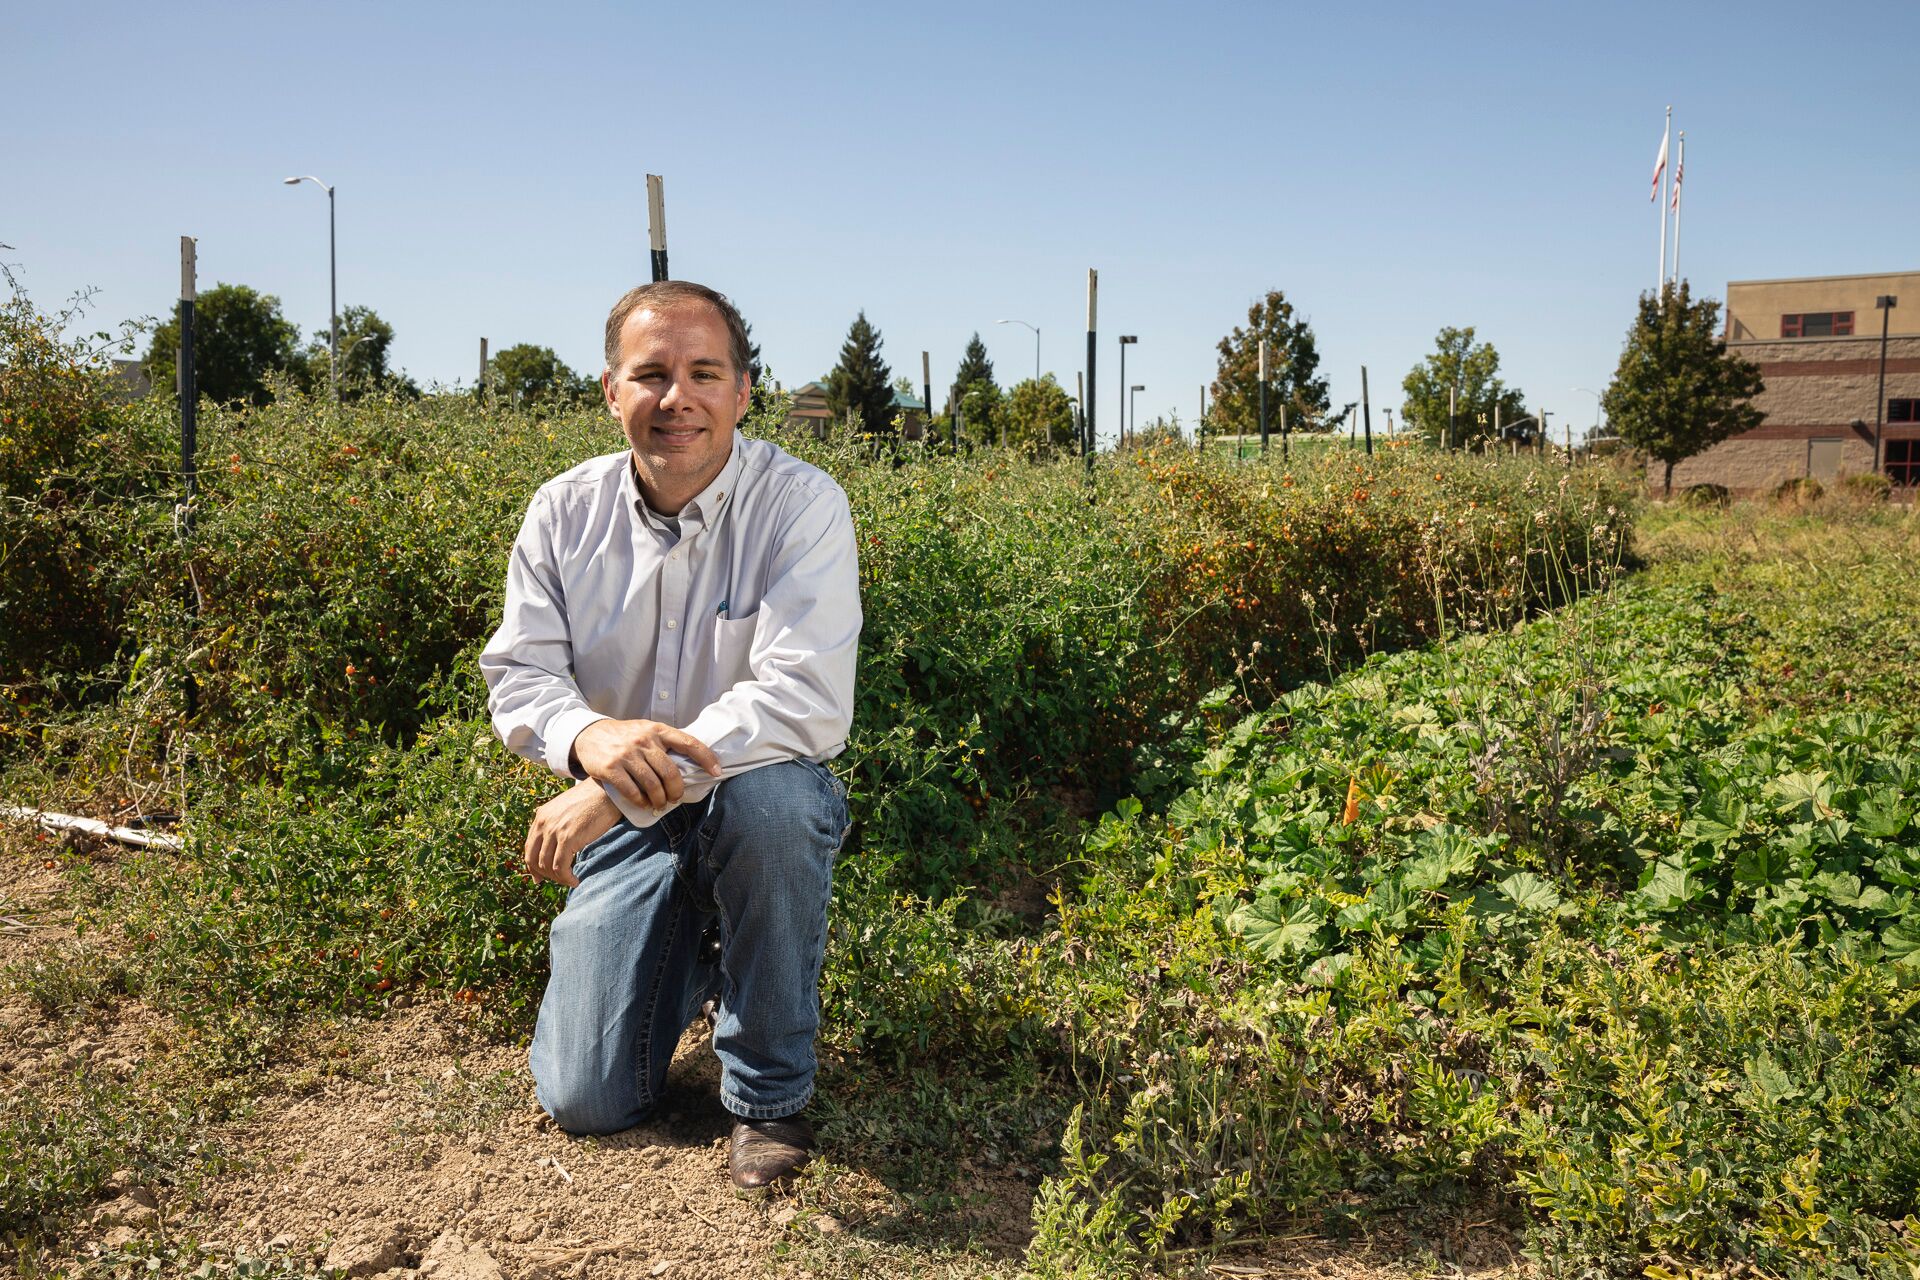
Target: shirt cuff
x,y
561,731
638,814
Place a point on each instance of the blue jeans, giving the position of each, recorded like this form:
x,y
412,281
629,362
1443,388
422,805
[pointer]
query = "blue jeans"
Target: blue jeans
x,y
756,856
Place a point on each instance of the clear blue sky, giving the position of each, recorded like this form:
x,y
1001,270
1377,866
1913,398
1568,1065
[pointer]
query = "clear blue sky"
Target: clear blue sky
x,y
1394,168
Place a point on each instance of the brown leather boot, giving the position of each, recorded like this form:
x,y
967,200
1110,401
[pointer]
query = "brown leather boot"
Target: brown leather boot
x,y
764,1152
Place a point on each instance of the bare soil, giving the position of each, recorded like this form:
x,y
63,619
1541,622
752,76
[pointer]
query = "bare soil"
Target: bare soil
x,y
371,1141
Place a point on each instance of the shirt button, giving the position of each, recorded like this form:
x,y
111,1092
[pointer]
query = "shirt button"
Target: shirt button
x,y
671,624
663,695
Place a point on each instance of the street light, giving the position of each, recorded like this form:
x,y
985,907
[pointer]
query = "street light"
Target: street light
x,y
333,286
1886,302
1596,412
1133,413
1036,344
1126,340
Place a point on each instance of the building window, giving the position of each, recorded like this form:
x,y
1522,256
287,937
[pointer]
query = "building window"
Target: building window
x,y
1903,411
1903,461
1817,324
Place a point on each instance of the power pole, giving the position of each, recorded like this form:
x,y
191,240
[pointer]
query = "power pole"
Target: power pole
x,y
480,384
926,393
1886,303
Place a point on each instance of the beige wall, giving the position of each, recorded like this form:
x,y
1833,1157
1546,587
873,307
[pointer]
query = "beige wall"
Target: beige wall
x,y
1758,465
1807,396
1754,307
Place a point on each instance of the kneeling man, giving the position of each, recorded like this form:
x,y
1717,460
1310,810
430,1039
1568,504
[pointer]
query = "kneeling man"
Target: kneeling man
x,y
679,638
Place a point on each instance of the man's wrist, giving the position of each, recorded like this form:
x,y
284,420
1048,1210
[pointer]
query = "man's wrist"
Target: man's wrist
x,y
561,733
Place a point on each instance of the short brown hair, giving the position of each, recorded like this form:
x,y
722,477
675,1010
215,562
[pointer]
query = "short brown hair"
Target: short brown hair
x,y
667,293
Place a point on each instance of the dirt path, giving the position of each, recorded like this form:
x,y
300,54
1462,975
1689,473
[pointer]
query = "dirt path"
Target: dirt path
x,y
410,1148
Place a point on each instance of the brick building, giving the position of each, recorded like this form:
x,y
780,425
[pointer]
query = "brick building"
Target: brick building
x,y
1817,342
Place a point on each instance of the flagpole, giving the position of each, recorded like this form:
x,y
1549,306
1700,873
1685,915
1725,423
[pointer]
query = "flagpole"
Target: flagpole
x,y
1679,177
1663,177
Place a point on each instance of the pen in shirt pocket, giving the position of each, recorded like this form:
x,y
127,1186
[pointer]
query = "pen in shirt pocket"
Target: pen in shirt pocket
x,y
721,612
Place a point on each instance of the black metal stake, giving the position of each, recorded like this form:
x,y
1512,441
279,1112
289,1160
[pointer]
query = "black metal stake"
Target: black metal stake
x,y
1263,397
657,224
183,378
1087,414
189,467
1366,409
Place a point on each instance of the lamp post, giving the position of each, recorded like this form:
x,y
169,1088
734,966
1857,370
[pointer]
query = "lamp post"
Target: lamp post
x,y
1036,344
1126,340
1133,413
333,287
1595,430
1886,303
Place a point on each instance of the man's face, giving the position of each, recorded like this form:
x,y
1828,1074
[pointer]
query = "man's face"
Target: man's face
x,y
677,396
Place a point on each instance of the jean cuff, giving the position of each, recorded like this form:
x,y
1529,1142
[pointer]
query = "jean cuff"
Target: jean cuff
x,y
740,1109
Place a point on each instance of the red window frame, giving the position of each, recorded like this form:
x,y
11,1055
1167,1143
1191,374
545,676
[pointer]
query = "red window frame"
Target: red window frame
x,y
1903,409
1902,462
1839,324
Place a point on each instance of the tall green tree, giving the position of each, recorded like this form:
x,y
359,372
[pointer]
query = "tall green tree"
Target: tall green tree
x,y
983,411
526,374
1483,398
860,388
975,365
240,341
1293,373
1677,390
1039,417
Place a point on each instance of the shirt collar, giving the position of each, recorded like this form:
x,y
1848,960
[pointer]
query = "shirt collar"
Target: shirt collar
x,y
704,508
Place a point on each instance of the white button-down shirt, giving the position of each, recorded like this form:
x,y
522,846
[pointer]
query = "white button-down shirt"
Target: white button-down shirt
x,y
741,629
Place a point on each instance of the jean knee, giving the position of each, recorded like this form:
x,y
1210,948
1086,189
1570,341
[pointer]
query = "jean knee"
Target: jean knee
x,y
583,1104
792,805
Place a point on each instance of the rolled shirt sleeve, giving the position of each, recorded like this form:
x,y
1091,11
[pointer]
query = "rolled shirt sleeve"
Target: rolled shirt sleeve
x,y
536,705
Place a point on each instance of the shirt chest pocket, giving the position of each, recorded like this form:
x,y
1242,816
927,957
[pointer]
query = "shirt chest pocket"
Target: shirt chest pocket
x,y
731,652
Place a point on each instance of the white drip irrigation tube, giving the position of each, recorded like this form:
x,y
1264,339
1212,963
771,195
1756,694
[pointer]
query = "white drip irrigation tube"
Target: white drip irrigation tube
x,y
93,826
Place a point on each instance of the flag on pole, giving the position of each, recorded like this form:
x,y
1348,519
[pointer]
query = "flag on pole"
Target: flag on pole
x,y
1660,165
1679,169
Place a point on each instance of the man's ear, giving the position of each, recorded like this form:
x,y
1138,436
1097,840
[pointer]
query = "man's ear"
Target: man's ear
x,y
745,397
606,391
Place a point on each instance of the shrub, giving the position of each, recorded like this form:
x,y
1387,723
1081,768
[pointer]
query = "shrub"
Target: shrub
x,y
1800,491
1554,910
1705,495
70,457
1866,486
